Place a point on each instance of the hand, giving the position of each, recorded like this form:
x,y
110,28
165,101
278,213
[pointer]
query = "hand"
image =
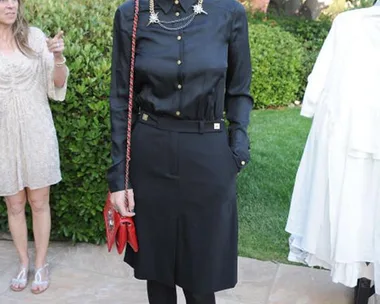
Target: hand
x,y
119,204
56,45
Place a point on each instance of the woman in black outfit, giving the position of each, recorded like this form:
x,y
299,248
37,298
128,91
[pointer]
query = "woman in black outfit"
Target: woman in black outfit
x,y
192,65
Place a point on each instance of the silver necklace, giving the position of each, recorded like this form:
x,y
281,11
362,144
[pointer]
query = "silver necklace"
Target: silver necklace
x,y
153,17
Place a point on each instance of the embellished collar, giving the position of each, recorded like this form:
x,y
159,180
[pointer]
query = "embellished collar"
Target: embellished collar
x,y
166,5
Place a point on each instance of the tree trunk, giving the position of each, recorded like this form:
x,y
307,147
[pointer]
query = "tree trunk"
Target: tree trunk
x,y
311,9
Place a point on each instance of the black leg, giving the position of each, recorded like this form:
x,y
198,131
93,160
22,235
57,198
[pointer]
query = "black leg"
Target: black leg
x,y
161,294
193,298
372,291
363,291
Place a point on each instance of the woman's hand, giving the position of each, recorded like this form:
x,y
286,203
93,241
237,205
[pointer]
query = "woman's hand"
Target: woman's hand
x,y
119,204
56,45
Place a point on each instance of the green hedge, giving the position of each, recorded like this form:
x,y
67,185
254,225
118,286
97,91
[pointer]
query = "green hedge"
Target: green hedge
x,y
277,65
311,34
82,121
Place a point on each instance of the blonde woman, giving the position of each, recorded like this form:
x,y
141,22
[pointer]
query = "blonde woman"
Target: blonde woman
x,y
32,68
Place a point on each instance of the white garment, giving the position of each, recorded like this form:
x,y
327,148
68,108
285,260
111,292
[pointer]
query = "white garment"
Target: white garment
x,y
334,218
28,143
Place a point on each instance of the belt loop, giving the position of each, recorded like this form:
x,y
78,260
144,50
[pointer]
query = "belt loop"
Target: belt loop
x,y
201,127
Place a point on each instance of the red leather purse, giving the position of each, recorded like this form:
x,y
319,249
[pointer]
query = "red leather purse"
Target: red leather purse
x,y
121,230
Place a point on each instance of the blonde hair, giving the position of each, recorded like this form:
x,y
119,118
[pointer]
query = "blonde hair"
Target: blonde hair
x,y
21,31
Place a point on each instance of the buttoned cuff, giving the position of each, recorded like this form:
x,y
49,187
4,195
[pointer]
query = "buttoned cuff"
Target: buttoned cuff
x,y
240,148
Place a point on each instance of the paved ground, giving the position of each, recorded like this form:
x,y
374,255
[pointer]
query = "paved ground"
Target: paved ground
x,y
89,274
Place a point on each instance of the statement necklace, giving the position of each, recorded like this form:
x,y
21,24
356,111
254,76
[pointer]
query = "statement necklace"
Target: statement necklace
x,y
169,25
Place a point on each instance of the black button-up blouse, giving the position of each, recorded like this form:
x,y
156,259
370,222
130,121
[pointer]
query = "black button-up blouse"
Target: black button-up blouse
x,y
195,73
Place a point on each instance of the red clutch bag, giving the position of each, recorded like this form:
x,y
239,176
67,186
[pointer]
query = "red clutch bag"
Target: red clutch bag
x,y
121,230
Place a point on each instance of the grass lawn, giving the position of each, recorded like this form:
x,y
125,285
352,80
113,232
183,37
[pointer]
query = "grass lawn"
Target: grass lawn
x,y
265,185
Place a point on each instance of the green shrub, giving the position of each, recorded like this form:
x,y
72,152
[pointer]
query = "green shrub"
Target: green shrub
x,y
312,34
277,65
82,121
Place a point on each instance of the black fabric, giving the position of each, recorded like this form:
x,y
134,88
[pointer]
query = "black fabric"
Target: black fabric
x,y
192,298
162,294
186,215
192,74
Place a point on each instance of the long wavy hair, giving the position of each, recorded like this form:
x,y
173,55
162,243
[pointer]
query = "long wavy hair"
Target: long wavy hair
x,y
20,31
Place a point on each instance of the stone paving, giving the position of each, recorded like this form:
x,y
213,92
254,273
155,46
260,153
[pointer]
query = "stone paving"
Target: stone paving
x,y
86,273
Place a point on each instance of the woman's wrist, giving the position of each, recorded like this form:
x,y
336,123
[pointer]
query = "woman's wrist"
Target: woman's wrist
x,y
59,61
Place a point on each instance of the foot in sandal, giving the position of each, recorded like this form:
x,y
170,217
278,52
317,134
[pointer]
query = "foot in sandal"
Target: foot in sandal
x,y
41,280
20,281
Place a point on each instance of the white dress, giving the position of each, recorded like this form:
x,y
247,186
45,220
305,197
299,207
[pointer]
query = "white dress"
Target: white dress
x,y
29,154
334,218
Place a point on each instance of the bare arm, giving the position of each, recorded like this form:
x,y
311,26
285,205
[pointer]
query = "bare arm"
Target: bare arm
x,y
57,46
60,72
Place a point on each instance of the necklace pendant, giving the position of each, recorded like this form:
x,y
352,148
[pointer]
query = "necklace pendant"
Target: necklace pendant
x,y
153,18
198,9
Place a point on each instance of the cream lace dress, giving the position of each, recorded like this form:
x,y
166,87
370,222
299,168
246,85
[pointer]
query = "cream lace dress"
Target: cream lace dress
x,y
29,155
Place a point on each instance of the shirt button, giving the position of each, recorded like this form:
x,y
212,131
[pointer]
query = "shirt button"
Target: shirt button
x,y
179,86
179,62
177,14
179,38
178,113
242,162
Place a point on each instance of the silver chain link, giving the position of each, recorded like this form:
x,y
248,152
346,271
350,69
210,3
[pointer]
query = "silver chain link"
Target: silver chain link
x,y
163,24
189,19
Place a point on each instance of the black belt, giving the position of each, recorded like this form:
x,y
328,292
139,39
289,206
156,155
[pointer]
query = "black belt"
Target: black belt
x,y
180,125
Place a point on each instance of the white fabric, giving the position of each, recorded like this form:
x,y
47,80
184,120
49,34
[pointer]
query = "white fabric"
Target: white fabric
x,y
28,143
334,218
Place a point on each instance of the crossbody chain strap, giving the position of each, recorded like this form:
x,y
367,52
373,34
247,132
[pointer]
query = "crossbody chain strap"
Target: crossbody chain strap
x,y
130,100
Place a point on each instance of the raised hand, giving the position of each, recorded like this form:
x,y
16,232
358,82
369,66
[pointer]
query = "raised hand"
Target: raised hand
x,y
56,45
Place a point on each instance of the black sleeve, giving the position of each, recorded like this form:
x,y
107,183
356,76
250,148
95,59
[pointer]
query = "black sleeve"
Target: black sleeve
x,y
121,56
239,102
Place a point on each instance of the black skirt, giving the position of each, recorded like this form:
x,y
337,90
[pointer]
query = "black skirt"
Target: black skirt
x,y
184,179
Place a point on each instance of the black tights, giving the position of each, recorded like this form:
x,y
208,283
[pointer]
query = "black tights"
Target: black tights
x,y
162,294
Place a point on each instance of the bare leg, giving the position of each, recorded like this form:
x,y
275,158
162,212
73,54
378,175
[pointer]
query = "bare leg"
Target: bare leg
x,y
17,226
39,202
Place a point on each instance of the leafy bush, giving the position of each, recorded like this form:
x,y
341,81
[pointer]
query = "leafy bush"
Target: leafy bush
x,y
312,34
277,65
